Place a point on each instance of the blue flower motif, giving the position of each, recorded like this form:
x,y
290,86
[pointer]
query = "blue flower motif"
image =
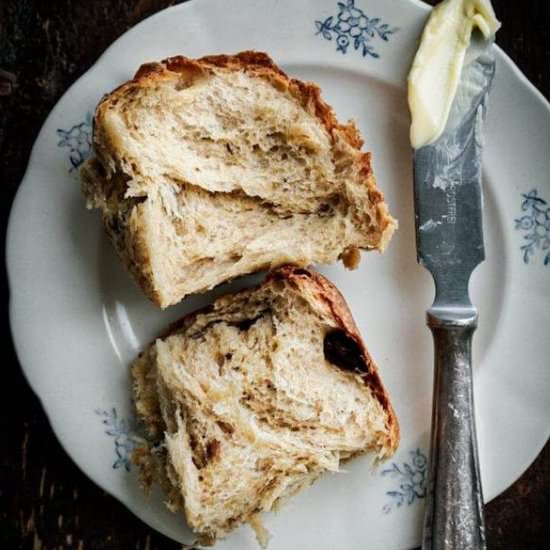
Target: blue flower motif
x,y
419,460
535,225
352,26
343,43
348,12
412,477
78,139
125,439
525,223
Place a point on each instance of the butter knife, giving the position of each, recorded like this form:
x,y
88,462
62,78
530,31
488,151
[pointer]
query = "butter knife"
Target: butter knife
x,y
449,239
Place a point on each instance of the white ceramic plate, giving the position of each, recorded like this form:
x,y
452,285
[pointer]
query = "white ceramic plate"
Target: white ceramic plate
x,y
78,320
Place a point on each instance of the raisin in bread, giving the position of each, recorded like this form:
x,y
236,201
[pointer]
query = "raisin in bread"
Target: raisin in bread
x,y
250,400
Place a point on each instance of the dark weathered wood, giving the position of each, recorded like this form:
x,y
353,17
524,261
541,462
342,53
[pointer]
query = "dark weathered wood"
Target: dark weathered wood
x,y
46,503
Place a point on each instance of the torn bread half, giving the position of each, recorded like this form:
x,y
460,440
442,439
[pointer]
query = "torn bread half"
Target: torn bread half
x,y
249,401
213,168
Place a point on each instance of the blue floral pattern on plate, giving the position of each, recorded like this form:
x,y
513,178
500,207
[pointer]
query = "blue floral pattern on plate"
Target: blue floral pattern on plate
x,y
78,139
535,226
412,481
352,26
125,439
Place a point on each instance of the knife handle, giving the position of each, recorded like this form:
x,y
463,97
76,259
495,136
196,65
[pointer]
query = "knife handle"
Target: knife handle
x,y
454,507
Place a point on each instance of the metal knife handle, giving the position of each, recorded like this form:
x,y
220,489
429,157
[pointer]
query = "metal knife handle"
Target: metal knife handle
x,y
454,508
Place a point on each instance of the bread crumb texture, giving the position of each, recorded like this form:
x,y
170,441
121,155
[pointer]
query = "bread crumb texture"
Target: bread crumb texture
x,y
209,169
250,401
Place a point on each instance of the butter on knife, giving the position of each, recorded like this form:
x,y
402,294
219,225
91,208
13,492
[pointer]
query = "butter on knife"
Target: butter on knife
x,y
435,72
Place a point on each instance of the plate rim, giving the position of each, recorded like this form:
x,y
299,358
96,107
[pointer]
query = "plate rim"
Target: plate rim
x,y
56,425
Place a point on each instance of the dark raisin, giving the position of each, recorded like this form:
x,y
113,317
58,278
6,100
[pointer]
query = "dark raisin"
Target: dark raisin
x,y
343,351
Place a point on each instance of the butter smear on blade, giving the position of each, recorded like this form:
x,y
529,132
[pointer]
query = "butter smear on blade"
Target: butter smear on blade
x,y
435,72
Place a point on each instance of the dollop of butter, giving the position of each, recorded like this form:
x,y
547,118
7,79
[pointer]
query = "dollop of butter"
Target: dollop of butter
x,y
435,73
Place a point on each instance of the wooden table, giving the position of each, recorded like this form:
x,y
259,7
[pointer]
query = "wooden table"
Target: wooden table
x,y
46,503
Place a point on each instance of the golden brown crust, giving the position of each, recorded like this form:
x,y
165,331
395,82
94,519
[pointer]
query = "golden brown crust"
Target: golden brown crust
x,y
152,460
185,71
259,64
328,293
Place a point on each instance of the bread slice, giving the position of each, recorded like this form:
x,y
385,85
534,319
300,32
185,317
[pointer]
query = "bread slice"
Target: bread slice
x,y
250,400
209,169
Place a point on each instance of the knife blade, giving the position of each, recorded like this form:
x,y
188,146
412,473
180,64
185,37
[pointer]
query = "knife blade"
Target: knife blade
x,y
449,239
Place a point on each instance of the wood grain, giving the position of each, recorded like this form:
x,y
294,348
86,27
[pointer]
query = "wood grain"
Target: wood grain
x,y
46,503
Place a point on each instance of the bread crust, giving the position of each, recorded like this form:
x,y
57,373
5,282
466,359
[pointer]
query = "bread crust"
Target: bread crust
x,y
328,292
322,295
134,253
260,64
